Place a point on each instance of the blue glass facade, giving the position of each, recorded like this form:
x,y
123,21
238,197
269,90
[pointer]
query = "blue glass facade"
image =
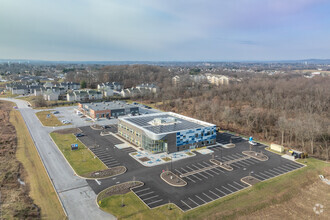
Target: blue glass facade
x,y
206,135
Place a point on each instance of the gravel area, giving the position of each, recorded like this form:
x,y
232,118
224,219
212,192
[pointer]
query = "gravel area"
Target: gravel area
x,y
118,189
107,173
250,180
172,179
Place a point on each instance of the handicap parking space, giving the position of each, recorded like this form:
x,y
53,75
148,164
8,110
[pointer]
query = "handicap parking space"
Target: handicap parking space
x,y
150,196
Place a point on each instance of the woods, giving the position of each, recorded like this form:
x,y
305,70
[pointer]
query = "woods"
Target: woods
x,y
288,109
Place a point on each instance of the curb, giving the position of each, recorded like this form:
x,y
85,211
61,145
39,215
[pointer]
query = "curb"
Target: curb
x,y
161,176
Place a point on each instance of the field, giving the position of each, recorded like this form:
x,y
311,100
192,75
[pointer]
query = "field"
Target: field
x,y
51,121
81,160
291,196
36,198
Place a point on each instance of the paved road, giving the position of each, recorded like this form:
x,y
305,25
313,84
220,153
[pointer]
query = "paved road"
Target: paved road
x,y
76,195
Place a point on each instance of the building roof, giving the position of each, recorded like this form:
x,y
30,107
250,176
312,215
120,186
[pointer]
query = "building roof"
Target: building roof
x,y
164,123
98,106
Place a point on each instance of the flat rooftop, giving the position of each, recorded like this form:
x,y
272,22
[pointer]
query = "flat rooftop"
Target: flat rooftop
x,y
167,122
98,106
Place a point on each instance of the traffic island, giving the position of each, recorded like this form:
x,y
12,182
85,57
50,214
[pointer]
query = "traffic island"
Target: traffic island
x,y
222,165
172,179
105,133
250,180
96,127
231,145
256,155
118,189
107,172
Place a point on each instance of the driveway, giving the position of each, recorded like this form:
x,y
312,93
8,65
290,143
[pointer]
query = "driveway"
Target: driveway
x,y
76,195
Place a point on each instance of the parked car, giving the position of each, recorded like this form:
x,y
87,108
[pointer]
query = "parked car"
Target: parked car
x,y
88,119
65,122
79,135
56,112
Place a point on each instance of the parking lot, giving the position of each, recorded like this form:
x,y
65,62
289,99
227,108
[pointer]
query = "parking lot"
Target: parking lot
x,y
206,185
69,114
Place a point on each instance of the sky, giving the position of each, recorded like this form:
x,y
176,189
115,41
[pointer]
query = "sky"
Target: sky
x,y
167,30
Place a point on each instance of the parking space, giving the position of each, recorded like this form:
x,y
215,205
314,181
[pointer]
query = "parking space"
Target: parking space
x,y
276,171
105,156
150,196
206,182
214,193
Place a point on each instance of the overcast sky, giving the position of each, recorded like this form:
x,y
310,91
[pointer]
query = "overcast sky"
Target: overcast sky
x,y
167,30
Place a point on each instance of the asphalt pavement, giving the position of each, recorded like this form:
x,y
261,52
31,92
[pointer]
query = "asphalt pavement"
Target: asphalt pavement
x,y
76,195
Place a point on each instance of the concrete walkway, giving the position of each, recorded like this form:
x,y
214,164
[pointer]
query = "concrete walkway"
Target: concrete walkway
x,y
77,197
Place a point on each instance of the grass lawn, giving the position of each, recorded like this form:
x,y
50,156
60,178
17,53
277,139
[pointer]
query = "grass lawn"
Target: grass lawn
x,y
261,196
41,189
81,160
51,121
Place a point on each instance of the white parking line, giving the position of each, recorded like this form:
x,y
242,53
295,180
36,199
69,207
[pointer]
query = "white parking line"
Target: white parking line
x,y
214,194
186,176
266,171
150,197
262,178
276,172
186,204
193,201
227,189
146,193
221,191
207,196
197,173
154,202
98,182
207,170
200,198
141,190
116,164
232,186
292,165
280,170
239,184
218,169
193,175
284,168
198,168
265,175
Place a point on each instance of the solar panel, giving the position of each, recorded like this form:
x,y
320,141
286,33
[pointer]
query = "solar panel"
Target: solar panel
x,y
182,124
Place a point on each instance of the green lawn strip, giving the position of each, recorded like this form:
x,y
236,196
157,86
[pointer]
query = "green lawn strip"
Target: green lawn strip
x,y
51,121
262,195
81,160
135,209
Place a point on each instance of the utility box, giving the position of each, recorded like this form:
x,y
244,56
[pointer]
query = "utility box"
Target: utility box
x,y
277,148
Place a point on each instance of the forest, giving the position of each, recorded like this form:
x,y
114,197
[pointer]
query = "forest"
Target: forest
x,y
287,109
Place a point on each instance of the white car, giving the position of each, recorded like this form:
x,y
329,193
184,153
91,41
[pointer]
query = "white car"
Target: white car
x,y
65,122
253,143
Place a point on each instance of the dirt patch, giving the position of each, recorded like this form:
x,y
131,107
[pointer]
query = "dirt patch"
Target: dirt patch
x,y
299,207
250,180
107,173
144,159
15,200
172,179
68,131
118,189
166,159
